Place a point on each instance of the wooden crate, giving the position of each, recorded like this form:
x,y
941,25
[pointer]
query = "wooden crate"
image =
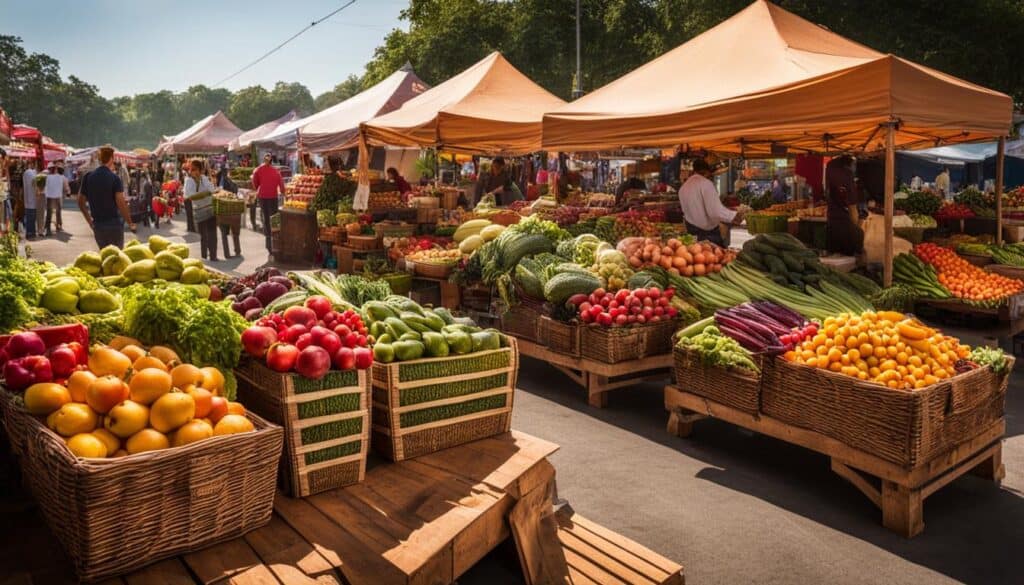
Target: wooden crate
x,y
326,423
419,410
116,515
905,427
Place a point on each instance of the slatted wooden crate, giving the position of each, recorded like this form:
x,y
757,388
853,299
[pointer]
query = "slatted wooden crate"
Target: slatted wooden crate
x,y
326,423
426,405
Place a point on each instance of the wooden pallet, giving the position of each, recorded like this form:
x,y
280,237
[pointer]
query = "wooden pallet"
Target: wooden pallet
x,y
899,492
599,378
597,555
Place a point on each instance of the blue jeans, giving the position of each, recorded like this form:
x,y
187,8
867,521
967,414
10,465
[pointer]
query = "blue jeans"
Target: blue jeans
x,y
30,223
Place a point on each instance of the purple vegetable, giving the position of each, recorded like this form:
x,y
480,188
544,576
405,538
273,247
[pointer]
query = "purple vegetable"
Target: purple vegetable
x,y
25,343
253,314
251,303
751,328
744,339
748,312
283,280
246,293
784,315
266,292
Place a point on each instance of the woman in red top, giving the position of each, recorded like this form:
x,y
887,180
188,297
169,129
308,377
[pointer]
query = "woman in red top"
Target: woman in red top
x,y
398,180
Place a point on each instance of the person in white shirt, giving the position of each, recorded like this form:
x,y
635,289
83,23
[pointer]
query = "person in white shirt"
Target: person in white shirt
x,y
942,182
28,184
55,189
701,206
198,182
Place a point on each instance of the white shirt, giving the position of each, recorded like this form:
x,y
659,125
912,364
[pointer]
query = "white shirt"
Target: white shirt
x,y
701,206
55,186
942,182
204,185
28,182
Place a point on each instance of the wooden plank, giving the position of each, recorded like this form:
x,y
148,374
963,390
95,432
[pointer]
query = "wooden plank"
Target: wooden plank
x,y
260,575
858,482
625,572
537,351
902,509
961,469
166,572
286,553
991,468
497,461
536,535
222,560
590,570
938,465
357,561
654,559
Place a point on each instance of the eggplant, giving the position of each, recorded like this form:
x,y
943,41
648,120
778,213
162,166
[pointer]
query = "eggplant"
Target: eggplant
x,y
253,314
267,292
282,280
784,315
748,342
250,303
246,293
751,328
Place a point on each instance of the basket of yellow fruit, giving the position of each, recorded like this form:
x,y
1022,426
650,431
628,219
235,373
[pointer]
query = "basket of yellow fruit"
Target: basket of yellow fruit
x,y
135,457
435,262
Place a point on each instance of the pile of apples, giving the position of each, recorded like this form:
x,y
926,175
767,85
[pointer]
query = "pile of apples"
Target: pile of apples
x,y
625,307
126,400
307,184
310,339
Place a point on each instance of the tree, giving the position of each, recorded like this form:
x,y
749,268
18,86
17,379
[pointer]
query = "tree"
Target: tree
x,y
341,92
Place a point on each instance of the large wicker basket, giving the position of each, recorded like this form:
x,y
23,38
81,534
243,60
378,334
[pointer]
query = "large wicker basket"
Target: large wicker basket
x,y
426,405
326,423
523,322
906,427
619,344
560,336
734,387
116,515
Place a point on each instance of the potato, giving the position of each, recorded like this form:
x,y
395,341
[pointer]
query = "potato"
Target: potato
x,y
699,269
678,262
699,258
666,251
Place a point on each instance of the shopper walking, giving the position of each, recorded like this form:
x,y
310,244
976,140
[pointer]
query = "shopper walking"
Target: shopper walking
x,y
54,190
197,182
103,204
269,184
28,184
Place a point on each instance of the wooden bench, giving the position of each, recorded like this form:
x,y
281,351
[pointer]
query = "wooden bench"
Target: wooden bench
x,y
597,555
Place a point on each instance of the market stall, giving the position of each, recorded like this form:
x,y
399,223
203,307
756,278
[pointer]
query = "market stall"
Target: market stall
x,y
211,135
6,127
245,140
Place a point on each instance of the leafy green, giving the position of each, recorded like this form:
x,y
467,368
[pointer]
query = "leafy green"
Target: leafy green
x,y
716,349
990,356
21,284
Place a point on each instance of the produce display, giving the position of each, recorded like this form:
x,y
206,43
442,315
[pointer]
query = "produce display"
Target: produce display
x,y
764,327
918,202
789,263
384,200
964,280
310,339
680,256
402,330
119,400
306,184
887,348
435,256
715,348
952,211
625,307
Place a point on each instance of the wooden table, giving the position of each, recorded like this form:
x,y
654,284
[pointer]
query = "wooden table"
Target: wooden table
x,y
426,520
898,491
599,378
1009,315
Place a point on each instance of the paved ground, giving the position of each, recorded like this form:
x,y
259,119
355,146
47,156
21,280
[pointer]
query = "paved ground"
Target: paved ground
x,y
733,506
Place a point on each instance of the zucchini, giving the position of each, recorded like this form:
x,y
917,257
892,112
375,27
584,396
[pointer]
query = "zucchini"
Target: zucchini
x,y
792,262
775,264
763,248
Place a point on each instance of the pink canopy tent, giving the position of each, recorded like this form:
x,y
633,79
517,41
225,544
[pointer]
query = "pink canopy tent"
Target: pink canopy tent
x,y
211,135
245,140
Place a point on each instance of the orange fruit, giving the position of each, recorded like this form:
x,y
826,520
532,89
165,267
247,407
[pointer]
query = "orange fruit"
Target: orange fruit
x,y
105,392
133,352
190,432
212,380
166,355
109,439
171,410
87,445
203,399
46,397
105,360
236,408
148,361
146,440
233,423
185,374
122,341
73,418
149,384
126,419
78,382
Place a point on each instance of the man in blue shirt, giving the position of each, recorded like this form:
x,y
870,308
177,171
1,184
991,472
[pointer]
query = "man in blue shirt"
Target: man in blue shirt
x,y
102,202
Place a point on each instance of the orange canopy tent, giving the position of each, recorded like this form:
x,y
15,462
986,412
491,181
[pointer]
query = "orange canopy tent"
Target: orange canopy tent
x,y
766,76
489,108
766,80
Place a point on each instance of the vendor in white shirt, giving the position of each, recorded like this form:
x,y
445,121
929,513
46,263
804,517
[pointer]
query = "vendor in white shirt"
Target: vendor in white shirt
x,y
702,207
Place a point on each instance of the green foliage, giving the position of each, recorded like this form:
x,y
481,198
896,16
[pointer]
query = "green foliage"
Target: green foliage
x,y
341,92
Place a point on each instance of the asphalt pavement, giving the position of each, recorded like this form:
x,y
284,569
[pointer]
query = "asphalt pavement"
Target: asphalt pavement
x,y
731,505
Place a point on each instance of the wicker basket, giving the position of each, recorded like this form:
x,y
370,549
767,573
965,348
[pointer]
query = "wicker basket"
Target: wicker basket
x,y
619,344
364,242
906,427
426,405
522,321
735,387
228,206
326,423
116,515
560,336
433,269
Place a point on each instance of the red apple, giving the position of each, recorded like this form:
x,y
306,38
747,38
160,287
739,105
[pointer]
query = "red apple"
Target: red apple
x,y
344,358
364,358
320,305
62,360
257,340
292,332
329,341
218,408
281,357
300,316
304,341
342,330
313,362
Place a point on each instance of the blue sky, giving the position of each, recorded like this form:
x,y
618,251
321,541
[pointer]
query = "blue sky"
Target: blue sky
x,y
128,47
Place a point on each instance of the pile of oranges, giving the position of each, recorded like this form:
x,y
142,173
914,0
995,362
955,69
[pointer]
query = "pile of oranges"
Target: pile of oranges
x,y
131,400
965,280
884,347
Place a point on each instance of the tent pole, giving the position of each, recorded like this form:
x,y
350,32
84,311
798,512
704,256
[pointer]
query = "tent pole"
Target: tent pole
x,y
890,176
1000,159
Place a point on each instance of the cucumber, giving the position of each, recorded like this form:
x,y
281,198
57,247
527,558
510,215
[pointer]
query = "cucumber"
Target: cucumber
x,y
775,264
792,262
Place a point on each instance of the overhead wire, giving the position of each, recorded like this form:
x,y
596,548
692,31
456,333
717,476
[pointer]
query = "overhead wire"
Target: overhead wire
x,y
280,46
